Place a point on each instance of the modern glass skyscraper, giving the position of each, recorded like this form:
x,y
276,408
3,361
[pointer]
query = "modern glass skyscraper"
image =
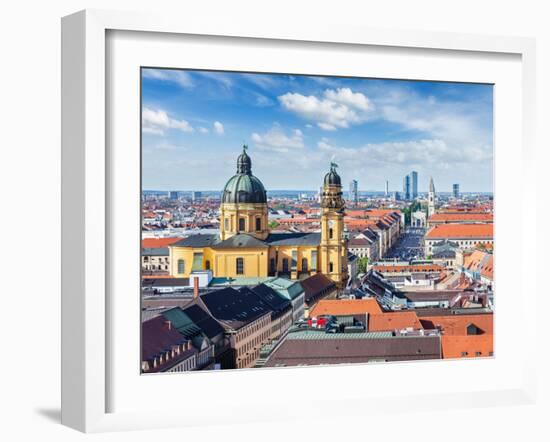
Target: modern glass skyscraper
x,y
407,187
352,196
410,186
456,190
414,185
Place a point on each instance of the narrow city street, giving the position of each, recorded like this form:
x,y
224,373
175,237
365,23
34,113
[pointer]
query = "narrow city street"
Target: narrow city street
x,y
409,245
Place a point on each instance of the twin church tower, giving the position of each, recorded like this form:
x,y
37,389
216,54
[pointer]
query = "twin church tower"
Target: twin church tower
x,y
246,247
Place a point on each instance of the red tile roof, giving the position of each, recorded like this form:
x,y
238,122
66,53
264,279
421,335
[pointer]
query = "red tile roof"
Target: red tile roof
x,y
460,217
456,325
157,243
467,346
299,220
408,268
476,231
480,261
393,321
346,307
487,269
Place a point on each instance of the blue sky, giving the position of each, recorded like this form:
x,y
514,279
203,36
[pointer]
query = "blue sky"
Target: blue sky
x,y
194,124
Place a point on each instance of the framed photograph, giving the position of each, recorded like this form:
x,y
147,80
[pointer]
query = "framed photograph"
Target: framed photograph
x,y
248,210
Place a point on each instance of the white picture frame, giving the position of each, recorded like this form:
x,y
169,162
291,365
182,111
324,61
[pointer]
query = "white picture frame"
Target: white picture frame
x,y
87,216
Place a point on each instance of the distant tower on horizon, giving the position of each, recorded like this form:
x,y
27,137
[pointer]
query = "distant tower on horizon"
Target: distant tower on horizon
x,y
353,196
407,187
414,185
410,186
456,191
196,196
431,198
387,188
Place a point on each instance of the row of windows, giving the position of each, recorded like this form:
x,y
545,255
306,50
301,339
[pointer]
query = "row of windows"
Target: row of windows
x,y
249,359
242,224
155,267
155,258
187,365
239,264
254,327
181,265
464,354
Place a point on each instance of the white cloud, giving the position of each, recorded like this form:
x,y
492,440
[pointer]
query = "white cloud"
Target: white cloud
x,y
275,139
336,109
181,78
263,101
203,130
169,146
349,98
152,130
225,80
426,153
263,81
156,121
218,128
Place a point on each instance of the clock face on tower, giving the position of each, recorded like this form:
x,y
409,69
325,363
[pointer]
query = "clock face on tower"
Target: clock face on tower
x,y
331,223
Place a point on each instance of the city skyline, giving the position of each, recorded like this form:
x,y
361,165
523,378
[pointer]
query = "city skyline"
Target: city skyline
x,y
195,122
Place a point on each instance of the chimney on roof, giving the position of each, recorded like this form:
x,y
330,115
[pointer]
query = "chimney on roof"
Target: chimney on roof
x,y
196,287
484,302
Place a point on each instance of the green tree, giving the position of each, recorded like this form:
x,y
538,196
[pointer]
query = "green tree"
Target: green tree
x,y
362,264
273,224
409,210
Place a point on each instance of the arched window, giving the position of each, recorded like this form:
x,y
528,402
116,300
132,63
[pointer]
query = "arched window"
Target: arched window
x,y
330,267
241,224
285,265
207,265
240,266
226,223
272,267
304,264
181,266
330,233
258,224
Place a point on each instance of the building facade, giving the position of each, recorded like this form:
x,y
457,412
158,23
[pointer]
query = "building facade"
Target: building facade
x,y
407,187
245,246
465,236
456,191
414,185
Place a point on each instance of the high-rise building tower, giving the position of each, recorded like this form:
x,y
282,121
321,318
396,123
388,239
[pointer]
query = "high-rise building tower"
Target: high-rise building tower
x,y
414,185
173,195
431,198
333,246
407,187
352,196
456,191
387,192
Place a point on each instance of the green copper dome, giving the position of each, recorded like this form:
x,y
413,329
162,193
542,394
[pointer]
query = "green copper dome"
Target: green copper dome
x,y
244,187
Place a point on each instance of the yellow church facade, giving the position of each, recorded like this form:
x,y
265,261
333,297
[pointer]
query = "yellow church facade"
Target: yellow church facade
x,y
245,246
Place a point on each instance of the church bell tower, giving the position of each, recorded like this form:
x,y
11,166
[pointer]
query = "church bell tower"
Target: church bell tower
x,y
333,247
